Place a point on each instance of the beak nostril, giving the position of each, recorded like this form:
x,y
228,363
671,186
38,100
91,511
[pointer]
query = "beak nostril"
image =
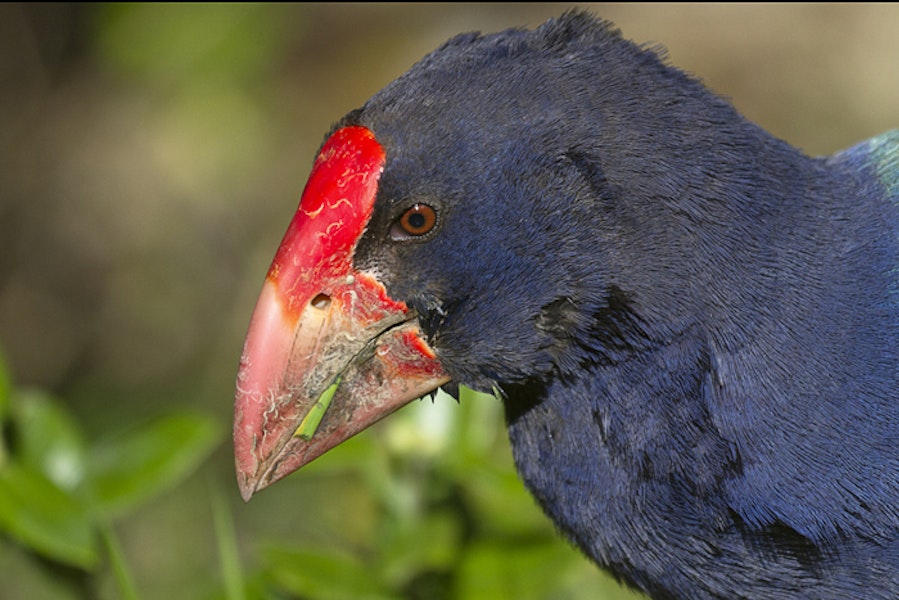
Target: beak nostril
x,y
321,301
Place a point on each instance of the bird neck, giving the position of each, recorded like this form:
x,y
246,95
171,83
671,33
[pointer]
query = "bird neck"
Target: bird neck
x,y
599,455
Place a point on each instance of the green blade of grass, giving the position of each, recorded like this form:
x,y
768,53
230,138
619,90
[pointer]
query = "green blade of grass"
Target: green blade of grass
x,y
310,422
232,574
120,570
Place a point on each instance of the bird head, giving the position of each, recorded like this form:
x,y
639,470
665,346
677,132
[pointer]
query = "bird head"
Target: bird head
x,y
465,225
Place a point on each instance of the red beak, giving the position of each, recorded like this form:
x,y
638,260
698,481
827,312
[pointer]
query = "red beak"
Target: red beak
x,y
328,352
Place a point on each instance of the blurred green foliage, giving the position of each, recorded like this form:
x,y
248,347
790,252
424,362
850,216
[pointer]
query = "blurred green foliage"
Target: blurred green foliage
x,y
443,523
178,44
60,496
150,157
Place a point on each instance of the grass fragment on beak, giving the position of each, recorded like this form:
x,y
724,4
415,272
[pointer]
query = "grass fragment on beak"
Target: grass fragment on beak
x,y
310,422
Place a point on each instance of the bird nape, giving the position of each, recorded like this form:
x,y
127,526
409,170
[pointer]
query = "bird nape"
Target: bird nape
x,y
693,327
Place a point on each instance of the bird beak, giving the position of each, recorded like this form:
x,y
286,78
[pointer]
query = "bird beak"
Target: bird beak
x,y
328,352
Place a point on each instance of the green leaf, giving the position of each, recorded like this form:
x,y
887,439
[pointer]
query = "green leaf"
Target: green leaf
x,y
46,519
131,468
47,438
314,574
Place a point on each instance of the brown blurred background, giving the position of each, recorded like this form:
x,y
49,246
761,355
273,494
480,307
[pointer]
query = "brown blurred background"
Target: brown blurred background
x,y
151,156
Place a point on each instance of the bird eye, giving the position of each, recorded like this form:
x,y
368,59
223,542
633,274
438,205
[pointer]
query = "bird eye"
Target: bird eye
x,y
418,220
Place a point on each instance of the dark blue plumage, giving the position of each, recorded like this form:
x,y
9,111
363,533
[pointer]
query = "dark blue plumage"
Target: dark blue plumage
x,y
693,326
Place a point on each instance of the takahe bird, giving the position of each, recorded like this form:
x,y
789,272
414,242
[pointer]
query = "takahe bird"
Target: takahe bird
x,y
693,326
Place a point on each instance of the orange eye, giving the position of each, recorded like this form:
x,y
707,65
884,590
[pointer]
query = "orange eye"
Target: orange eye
x,y
417,220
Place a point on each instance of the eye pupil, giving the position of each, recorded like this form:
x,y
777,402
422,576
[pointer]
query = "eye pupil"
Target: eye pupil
x,y
418,220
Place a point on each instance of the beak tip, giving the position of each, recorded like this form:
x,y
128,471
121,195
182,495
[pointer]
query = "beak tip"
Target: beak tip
x,y
248,486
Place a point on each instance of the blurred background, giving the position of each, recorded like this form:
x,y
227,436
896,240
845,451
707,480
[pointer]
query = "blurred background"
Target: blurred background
x,y
151,156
